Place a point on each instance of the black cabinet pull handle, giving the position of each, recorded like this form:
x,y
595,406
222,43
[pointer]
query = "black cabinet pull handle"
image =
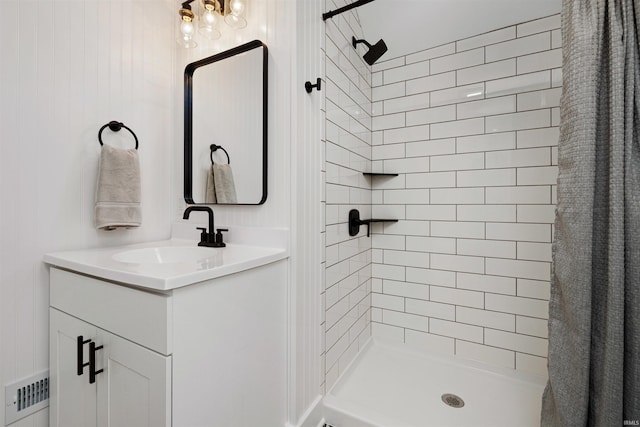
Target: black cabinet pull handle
x,y
309,87
81,342
92,362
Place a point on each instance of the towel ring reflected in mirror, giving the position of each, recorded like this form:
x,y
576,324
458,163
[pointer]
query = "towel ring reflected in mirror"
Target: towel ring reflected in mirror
x,y
215,147
115,127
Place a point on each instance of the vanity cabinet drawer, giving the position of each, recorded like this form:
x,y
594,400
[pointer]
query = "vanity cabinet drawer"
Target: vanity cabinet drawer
x,y
139,316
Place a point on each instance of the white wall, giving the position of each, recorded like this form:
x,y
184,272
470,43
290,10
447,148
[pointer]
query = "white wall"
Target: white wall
x,y
472,128
307,224
347,144
67,68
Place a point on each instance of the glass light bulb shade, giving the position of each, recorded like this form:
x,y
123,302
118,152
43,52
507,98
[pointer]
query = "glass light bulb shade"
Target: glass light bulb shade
x,y
186,41
209,24
235,21
209,17
187,28
210,33
185,37
237,7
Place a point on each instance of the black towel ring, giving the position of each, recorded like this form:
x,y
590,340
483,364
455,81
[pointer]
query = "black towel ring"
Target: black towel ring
x,y
215,147
115,127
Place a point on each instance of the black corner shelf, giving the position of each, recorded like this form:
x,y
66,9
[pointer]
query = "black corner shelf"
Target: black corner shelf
x,y
355,222
378,174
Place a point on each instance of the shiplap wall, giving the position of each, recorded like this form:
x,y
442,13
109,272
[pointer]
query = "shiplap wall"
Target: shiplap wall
x,y
67,68
471,127
347,263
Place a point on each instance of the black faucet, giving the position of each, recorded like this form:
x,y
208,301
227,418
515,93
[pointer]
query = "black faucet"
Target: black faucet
x,y
207,238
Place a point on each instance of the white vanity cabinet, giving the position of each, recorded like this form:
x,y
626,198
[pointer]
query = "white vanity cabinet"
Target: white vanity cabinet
x,y
132,389
208,354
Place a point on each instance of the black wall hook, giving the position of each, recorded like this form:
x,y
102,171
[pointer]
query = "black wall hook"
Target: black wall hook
x,y
309,87
115,127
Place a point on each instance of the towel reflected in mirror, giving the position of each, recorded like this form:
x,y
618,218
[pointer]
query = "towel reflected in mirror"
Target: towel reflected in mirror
x,y
220,187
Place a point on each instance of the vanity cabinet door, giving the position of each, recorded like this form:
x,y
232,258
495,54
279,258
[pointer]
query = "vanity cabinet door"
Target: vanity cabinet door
x,y
135,387
73,399
132,384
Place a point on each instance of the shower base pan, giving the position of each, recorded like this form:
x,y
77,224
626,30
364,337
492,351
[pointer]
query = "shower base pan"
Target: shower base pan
x,y
395,386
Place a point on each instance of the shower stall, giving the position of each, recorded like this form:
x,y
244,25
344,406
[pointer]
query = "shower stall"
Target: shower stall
x,y
440,317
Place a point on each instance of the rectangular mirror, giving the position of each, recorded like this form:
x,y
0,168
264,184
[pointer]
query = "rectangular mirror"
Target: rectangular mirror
x,y
225,122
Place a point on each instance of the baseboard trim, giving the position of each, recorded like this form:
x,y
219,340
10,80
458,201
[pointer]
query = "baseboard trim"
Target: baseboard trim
x,y
313,416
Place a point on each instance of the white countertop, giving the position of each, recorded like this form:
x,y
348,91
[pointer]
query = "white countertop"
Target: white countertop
x,y
103,263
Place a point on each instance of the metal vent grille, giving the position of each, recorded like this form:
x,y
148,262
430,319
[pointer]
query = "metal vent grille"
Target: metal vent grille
x,y
26,397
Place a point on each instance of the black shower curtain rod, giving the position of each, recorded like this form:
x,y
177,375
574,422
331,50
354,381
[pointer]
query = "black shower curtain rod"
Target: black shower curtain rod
x,y
333,13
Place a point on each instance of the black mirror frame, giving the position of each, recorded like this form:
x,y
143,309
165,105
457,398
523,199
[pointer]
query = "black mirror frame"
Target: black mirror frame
x,y
188,117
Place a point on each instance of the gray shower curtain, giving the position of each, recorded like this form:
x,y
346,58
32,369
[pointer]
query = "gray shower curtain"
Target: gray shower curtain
x,y
594,311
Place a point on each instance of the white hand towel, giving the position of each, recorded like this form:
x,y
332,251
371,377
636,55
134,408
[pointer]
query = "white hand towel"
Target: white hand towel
x,y
210,192
118,191
225,187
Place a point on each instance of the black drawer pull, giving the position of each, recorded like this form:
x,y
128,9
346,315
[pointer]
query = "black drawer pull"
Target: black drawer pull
x,y
81,342
92,362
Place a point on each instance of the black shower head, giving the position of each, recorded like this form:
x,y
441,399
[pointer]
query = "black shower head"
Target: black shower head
x,y
375,51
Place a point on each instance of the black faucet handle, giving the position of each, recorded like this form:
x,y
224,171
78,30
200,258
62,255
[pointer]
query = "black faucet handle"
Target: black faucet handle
x,y
205,238
218,240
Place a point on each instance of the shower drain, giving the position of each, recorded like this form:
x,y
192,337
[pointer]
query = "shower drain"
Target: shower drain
x,y
453,400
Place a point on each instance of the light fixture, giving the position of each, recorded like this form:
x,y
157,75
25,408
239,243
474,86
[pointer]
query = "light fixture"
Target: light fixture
x,y
187,28
209,20
234,16
234,12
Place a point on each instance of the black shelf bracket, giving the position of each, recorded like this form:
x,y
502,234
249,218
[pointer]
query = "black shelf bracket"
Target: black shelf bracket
x,y
378,174
355,222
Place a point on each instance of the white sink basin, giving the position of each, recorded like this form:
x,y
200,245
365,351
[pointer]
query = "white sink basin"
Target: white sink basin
x,y
166,255
165,265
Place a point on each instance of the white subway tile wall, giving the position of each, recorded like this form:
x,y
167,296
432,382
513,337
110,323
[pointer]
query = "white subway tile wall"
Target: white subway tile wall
x,y
471,127
348,148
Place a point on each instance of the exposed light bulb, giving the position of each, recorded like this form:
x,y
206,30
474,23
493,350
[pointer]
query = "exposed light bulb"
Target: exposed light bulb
x,y
186,27
187,30
208,24
235,12
209,17
237,7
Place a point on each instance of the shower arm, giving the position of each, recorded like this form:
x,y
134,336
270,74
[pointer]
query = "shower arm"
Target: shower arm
x,y
355,42
333,13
